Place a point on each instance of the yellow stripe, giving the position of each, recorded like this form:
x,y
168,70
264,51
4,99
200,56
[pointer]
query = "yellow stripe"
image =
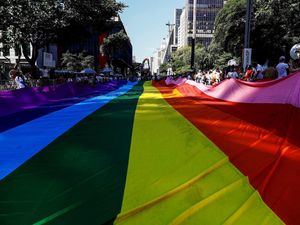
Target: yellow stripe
x,y
197,207
169,194
177,176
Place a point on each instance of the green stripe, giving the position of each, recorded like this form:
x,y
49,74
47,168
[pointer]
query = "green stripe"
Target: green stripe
x,y
57,214
87,164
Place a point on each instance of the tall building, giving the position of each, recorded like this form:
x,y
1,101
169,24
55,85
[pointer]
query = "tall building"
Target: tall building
x,y
173,37
207,11
177,15
159,57
183,29
181,33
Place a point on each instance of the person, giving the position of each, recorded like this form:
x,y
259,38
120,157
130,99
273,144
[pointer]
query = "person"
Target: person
x,y
218,75
198,77
258,71
13,72
249,73
234,74
19,81
189,77
14,75
271,73
282,68
45,72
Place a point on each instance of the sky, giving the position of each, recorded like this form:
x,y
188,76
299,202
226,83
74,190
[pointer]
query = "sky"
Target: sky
x,y
145,22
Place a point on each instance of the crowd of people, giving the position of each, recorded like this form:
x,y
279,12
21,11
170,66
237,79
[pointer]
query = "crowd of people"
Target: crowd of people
x,y
254,72
18,80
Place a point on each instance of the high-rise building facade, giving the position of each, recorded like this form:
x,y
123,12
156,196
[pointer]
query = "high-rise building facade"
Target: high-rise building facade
x,y
159,57
181,32
183,29
207,11
177,15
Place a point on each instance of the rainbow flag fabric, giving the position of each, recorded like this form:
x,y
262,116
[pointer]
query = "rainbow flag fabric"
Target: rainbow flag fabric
x,y
157,153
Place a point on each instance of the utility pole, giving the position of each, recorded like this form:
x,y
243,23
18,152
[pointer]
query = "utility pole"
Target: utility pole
x,y
194,35
247,50
248,24
169,44
170,26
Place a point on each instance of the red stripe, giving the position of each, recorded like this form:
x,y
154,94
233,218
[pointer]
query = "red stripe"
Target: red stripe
x,y
261,140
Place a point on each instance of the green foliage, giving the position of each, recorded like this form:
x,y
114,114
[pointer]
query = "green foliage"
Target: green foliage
x,y
203,58
38,22
184,69
25,22
219,58
164,67
182,59
230,27
275,28
114,42
77,62
92,12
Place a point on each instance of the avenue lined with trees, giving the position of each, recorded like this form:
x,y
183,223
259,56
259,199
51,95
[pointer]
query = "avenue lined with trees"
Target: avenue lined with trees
x,y
275,29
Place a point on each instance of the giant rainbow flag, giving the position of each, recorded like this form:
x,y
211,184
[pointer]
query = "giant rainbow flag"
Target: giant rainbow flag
x,y
168,152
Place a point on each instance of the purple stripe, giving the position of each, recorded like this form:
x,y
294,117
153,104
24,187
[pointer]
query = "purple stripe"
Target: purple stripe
x,y
18,100
15,119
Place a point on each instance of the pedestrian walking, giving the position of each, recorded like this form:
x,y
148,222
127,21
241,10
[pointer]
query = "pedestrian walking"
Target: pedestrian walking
x,y
282,68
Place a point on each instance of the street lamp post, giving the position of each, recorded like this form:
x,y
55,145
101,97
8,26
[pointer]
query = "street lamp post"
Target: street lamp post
x,y
170,29
248,23
247,50
194,35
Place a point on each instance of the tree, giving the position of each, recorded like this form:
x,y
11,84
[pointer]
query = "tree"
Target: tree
x,y
275,28
113,43
230,27
30,23
92,12
203,59
163,68
182,59
37,23
219,57
77,62
87,61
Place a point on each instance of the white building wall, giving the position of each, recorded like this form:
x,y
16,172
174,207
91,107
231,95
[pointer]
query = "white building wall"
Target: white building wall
x,y
11,57
183,29
177,16
159,56
205,13
155,63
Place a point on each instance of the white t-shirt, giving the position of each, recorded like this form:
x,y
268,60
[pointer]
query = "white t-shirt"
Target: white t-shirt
x,y
282,69
20,82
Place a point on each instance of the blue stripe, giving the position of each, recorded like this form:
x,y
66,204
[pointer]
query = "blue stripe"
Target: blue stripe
x,y
18,118
21,143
